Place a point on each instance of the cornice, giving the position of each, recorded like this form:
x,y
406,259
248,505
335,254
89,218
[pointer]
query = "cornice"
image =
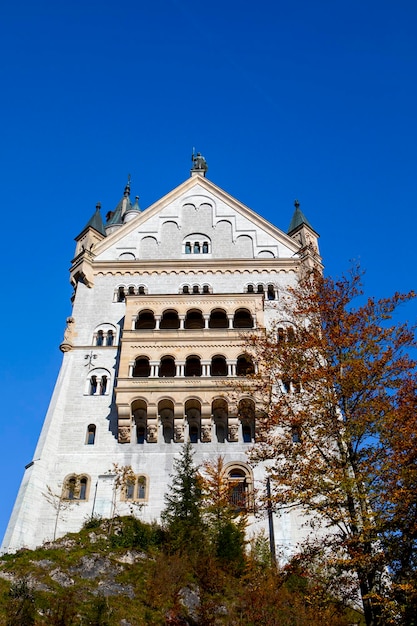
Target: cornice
x,y
180,267
209,299
186,344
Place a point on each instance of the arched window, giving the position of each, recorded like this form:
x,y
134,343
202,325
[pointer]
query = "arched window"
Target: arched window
x,y
271,292
260,288
93,385
193,414
194,320
206,289
76,487
244,365
241,486
196,243
91,434
97,382
218,366
83,488
251,289
141,487
145,320
296,434
242,319
290,334
169,320
218,319
104,335
219,411
246,411
130,490
166,414
185,289
196,289
141,368
140,414
141,290
131,291
193,366
167,367
121,294
72,485
135,489
238,489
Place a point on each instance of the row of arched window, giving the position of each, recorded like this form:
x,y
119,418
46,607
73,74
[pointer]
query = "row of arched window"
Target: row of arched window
x,y
239,476
269,290
193,319
194,246
77,487
104,338
170,319
131,290
220,425
286,334
168,367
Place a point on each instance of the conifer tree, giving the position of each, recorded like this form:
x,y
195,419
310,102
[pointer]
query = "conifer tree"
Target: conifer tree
x,y
182,513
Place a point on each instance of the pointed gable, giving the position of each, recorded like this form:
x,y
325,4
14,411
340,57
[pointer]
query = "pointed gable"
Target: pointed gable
x,y
197,218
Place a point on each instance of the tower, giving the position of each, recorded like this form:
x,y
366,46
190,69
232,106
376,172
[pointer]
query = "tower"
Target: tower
x,y
150,352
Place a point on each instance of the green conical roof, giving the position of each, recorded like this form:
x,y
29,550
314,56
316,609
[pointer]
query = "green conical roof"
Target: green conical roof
x,y
96,221
115,217
298,219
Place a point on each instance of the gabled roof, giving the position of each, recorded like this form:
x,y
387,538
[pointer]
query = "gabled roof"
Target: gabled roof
x,y
199,184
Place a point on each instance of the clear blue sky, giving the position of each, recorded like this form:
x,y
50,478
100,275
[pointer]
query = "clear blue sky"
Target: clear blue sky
x,y
308,100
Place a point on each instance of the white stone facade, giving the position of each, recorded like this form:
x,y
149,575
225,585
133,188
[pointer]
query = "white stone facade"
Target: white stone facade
x,y
153,343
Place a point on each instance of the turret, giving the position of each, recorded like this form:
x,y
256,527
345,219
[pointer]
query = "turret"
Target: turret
x,y
301,230
115,219
92,233
132,211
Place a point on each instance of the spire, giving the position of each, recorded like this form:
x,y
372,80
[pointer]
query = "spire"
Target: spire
x,y
298,219
96,221
200,166
127,188
115,218
136,206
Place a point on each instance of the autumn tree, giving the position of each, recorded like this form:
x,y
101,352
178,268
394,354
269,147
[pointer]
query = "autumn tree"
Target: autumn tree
x,y
334,380
397,506
226,522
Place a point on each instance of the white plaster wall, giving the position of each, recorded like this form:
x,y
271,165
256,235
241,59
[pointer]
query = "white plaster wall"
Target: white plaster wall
x,y
62,448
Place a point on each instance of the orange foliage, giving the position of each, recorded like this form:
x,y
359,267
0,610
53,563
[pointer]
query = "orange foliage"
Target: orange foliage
x,y
340,392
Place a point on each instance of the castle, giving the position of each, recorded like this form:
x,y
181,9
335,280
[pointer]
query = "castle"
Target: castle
x,y
152,346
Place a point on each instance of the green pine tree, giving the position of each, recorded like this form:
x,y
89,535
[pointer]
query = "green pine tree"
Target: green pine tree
x,y
182,514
